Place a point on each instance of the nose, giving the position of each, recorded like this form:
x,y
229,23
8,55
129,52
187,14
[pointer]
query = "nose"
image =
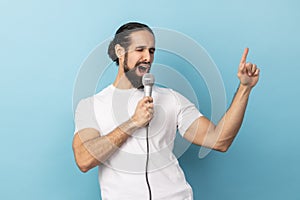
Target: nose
x,y
146,56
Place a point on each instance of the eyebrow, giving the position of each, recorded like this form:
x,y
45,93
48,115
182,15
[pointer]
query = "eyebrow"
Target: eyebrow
x,y
144,47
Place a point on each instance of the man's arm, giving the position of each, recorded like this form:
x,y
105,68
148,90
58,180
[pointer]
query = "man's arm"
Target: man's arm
x,y
219,137
90,148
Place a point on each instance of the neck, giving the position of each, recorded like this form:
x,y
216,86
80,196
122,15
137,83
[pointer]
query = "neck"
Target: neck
x,y
121,81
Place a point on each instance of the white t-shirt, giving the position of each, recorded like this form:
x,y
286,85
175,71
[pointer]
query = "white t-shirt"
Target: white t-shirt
x,y
122,176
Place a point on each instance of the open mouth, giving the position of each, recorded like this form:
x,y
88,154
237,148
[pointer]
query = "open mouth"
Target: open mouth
x,y
143,70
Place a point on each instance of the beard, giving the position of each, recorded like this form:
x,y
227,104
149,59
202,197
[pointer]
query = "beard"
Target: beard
x,y
134,79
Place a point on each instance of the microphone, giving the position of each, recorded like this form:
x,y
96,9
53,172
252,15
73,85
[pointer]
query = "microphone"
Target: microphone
x,y
148,81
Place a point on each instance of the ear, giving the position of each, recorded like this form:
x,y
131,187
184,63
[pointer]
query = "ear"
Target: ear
x,y
120,51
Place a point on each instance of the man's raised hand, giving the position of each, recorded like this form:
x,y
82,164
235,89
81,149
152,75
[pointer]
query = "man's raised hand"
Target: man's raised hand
x,y
248,73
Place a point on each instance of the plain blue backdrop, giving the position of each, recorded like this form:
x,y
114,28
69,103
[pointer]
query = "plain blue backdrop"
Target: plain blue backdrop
x,y
43,44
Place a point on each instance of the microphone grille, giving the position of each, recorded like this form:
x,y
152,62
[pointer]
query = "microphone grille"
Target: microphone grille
x,y
148,79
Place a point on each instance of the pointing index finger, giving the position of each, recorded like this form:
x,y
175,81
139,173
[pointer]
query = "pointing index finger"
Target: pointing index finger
x,y
244,56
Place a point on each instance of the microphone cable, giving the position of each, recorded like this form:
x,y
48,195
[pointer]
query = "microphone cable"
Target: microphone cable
x,y
147,163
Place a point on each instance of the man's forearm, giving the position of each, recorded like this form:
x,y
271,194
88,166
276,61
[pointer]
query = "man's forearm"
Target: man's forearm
x,y
94,149
103,146
231,122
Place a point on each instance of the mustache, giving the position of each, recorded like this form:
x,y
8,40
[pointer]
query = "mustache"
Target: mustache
x,y
143,63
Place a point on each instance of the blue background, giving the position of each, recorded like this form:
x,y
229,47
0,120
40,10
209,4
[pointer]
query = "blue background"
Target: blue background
x,y
43,43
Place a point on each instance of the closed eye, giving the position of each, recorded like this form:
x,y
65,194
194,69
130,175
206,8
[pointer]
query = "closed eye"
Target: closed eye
x,y
139,49
152,50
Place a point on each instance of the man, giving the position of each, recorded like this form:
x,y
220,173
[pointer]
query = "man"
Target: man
x,y
111,125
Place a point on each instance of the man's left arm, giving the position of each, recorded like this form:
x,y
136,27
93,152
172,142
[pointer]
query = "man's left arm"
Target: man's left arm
x,y
219,137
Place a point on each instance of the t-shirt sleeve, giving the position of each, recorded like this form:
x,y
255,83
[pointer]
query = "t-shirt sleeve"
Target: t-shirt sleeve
x,y
85,116
187,113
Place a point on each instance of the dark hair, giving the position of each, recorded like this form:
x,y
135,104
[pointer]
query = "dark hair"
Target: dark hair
x,y
122,37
